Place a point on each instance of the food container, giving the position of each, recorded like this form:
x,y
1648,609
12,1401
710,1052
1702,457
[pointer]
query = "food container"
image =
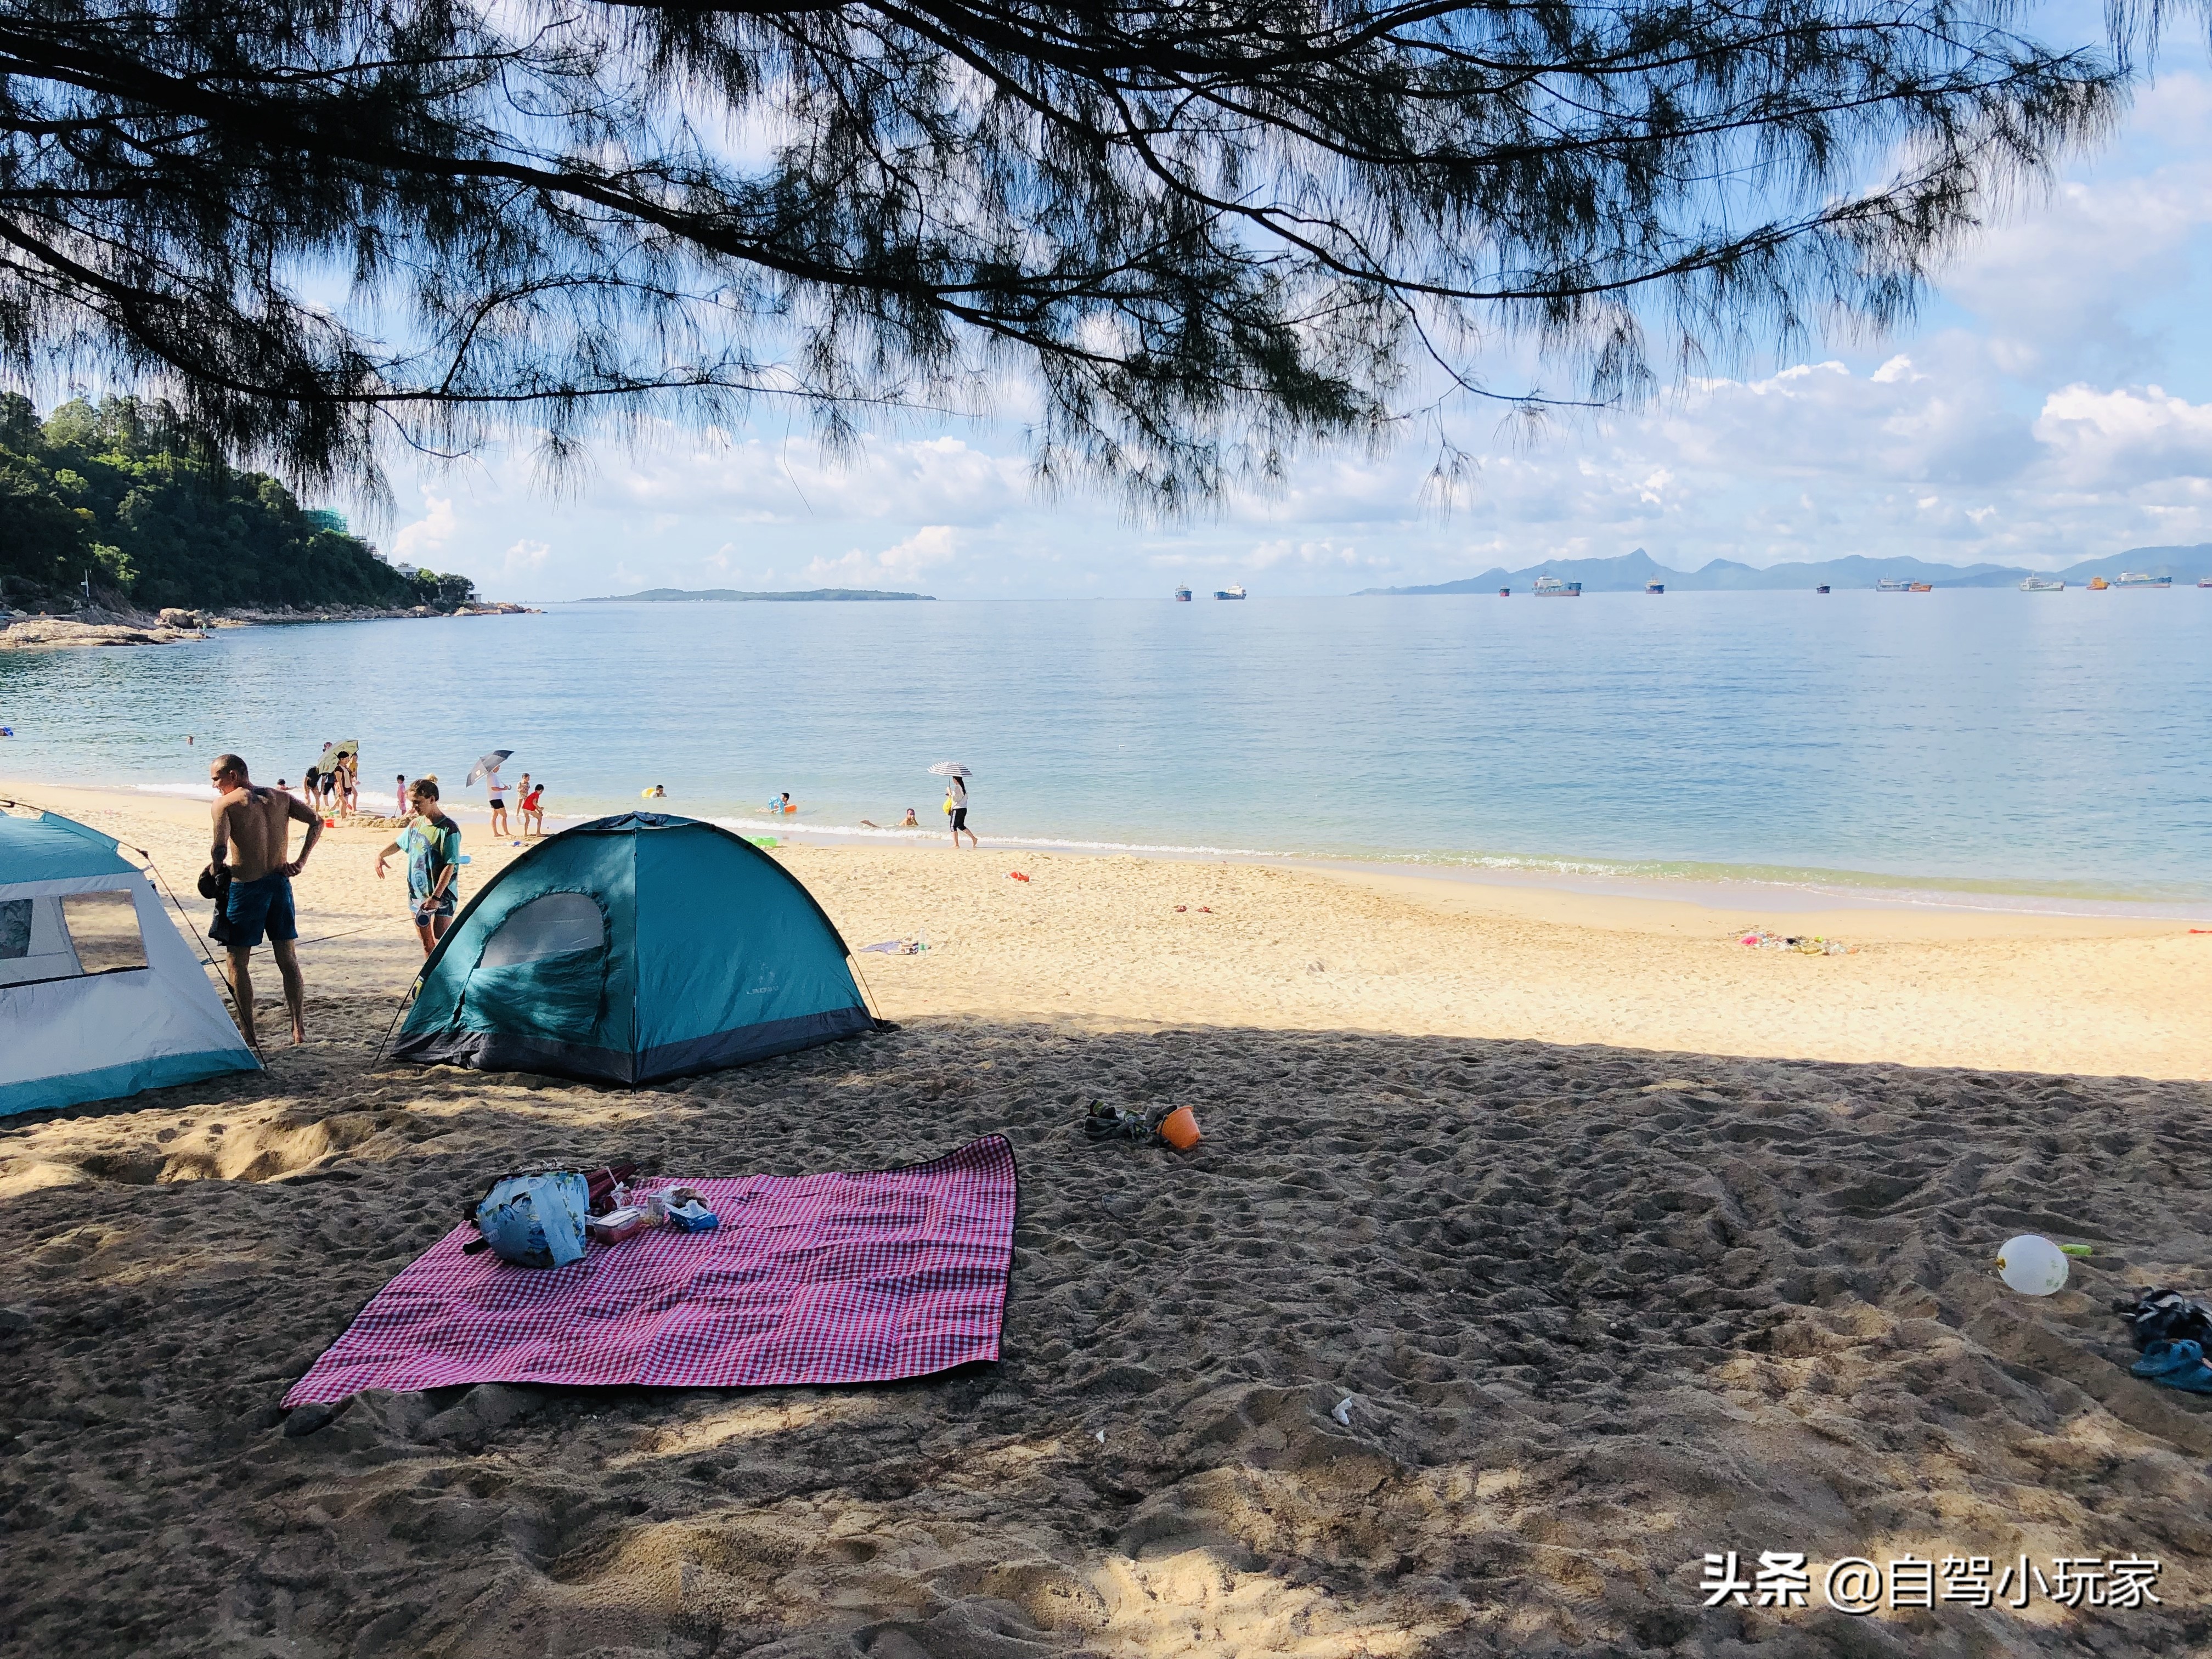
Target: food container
x,y
693,1217
616,1225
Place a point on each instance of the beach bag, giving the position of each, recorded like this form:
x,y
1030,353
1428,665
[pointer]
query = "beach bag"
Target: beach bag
x,y
536,1220
215,883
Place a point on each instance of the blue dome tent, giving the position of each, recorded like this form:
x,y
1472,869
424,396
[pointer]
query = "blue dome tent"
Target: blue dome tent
x,y
632,949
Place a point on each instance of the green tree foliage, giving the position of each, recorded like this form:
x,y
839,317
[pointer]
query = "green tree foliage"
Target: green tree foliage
x,y
1205,233
123,491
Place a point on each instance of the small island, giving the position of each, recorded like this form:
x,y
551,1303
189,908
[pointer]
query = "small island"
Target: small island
x,y
736,596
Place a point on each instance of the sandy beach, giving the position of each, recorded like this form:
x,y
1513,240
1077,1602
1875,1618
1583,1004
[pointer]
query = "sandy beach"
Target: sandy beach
x,y
1626,1244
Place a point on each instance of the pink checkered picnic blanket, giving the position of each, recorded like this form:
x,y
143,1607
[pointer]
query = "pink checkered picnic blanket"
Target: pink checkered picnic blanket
x,y
810,1279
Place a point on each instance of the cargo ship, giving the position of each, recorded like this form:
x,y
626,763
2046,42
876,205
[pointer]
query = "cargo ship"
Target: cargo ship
x,y
2131,578
1550,587
1228,592
2042,585
1655,587
1182,596
1893,585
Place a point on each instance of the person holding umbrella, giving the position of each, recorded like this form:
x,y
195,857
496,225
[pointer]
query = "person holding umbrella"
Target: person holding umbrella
x,y
956,778
488,769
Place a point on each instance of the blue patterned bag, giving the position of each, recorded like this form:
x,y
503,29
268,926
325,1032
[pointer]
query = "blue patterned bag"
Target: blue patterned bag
x,y
537,1220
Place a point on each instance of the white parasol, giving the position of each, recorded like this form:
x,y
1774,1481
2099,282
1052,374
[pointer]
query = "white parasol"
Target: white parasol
x,y
950,769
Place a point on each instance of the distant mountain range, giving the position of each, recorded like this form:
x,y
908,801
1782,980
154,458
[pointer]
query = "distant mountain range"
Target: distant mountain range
x,y
1630,571
732,595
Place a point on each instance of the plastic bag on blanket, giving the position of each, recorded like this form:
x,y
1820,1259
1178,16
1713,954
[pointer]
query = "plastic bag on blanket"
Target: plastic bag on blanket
x,y
537,1220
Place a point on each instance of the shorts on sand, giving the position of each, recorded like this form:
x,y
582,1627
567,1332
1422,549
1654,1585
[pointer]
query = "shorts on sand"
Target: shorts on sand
x,y
256,908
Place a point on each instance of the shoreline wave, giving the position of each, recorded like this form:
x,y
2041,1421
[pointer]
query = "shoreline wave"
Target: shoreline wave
x,y
1681,879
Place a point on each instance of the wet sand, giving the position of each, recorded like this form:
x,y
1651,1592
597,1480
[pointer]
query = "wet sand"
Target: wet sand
x,y
1625,1243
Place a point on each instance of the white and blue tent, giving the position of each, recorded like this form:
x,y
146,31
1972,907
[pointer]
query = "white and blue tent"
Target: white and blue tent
x,y
99,995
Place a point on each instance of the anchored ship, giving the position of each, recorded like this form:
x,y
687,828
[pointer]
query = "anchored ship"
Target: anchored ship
x,y
1550,587
1182,596
1893,585
1228,592
2133,578
1655,587
2042,585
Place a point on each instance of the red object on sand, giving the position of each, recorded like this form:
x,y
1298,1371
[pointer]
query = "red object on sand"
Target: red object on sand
x,y
1016,875
814,1279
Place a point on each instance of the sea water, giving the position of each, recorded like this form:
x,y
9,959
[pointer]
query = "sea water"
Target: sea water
x,y
2056,747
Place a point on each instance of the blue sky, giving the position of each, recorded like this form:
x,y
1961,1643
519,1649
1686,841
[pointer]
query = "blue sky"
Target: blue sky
x,y
2053,402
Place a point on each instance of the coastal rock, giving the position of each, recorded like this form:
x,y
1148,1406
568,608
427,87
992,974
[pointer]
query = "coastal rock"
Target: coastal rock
x,y
94,625
37,633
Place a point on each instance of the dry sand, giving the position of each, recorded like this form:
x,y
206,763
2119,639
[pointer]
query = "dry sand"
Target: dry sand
x,y
1628,1244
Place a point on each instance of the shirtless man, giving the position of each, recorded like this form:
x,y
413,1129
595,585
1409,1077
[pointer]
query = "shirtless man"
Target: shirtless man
x,y
253,826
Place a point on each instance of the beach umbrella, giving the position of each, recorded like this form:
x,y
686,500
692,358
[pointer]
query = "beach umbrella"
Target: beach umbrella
x,y
950,769
487,764
334,752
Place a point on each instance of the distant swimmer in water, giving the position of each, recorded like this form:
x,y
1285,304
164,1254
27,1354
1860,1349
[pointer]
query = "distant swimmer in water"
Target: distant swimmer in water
x,y
659,792
912,821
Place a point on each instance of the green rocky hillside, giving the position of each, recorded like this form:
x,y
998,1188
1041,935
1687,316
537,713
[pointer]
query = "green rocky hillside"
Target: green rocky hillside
x,y
119,492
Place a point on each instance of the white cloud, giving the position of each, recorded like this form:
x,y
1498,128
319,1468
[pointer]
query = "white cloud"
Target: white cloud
x,y
525,556
1312,556
2110,439
758,481
428,535
903,561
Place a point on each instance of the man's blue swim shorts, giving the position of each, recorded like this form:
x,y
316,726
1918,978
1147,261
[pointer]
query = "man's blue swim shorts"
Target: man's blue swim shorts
x,y
259,906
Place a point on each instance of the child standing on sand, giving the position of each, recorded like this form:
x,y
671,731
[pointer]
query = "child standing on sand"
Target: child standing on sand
x,y
433,846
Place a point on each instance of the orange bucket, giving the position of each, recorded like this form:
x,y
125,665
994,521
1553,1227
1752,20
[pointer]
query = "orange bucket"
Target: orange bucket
x,y
1179,1129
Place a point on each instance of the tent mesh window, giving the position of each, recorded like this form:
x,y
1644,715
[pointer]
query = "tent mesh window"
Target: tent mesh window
x,y
547,926
14,928
104,928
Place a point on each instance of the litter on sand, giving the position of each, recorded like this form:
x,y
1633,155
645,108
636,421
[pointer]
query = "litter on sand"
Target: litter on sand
x,y
897,947
1168,1126
2033,1265
1813,944
1343,1412
2171,1332
1016,875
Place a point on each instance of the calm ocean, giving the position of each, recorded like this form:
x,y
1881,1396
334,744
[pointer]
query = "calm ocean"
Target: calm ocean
x,y
1959,742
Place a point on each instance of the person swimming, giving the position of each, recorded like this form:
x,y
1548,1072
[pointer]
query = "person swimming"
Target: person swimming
x,y
912,821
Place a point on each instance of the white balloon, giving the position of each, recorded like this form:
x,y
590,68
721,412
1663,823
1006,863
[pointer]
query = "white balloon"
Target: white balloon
x,y
2033,1265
